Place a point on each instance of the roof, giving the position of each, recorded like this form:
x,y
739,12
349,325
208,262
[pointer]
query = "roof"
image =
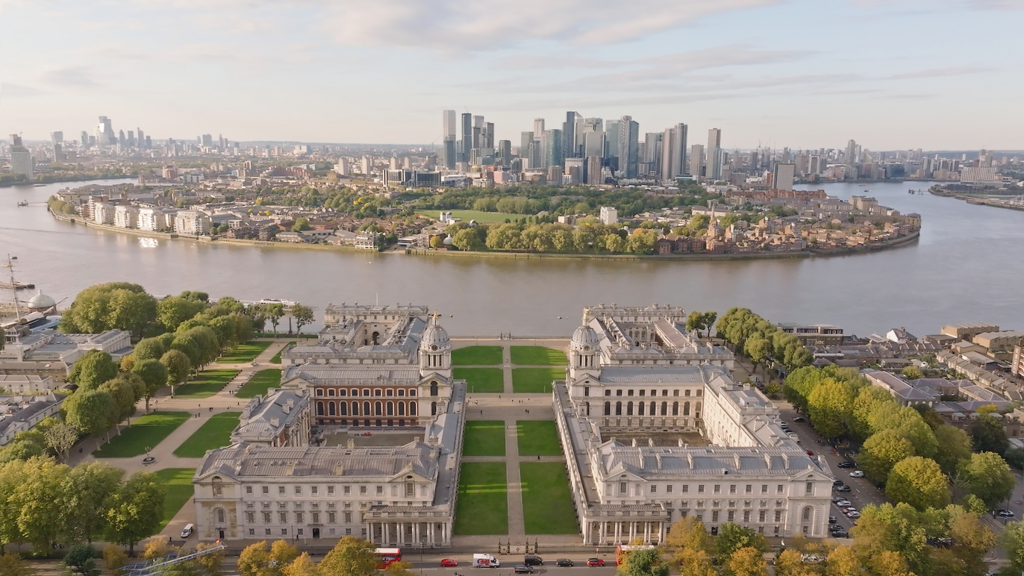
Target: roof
x,y
264,417
245,460
352,374
662,462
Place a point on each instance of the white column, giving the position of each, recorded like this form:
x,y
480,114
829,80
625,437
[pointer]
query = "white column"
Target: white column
x,y
632,531
661,533
400,526
386,527
618,532
603,531
647,532
416,533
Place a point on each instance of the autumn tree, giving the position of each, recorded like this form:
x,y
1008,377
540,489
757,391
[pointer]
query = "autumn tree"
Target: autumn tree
x,y
646,562
868,399
955,446
918,482
747,562
890,528
842,561
302,566
12,564
881,452
732,537
350,557
113,558
694,562
829,406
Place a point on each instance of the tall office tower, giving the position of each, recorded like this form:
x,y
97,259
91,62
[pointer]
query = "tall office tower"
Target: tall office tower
x,y
653,145
714,155
21,158
142,138
551,149
131,138
538,128
850,160
121,139
526,147
815,164
105,133
569,149
487,136
504,152
696,160
782,176
15,140
594,144
85,139
611,149
56,137
478,131
449,151
629,135
466,144
579,140
801,163
149,142
593,170
673,152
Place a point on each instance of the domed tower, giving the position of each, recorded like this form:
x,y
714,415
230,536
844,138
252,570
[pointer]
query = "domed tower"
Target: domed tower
x,y
584,354
41,303
435,351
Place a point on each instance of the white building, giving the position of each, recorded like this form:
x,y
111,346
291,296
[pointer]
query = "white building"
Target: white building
x,y
280,418
53,353
103,213
634,372
22,162
126,216
21,413
191,223
156,219
609,215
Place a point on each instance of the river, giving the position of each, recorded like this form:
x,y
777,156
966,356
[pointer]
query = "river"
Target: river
x,y
964,268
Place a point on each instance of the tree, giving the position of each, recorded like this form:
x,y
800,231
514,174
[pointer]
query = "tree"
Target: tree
x,y
178,367
114,558
153,374
92,485
1014,456
799,384
135,509
919,482
1012,541
254,560
126,390
174,310
303,316
890,528
973,539
747,562
646,562
912,373
188,346
790,563
695,562
94,368
709,322
732,537
12,564
274,313
436,241
301,566
102,307
829,407
956,446
688,533
890,563
350,557
89,411
930,416
81,559
988,434
156,548
988,477
132,311
868,399
695,322
842,561
614,243
467,239
61,438
758,349
642,241
881,452
212,563
148,348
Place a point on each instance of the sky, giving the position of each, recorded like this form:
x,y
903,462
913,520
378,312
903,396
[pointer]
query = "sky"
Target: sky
x,y
891,74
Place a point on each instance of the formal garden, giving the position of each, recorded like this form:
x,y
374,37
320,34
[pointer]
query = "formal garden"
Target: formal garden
x,y
214,433
476,356
547,501
484,438
535,380
144,433
483,500
481,379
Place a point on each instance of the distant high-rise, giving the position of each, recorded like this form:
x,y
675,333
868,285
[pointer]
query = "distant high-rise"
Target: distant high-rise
x,y
850,160
570,139
478,131
56,137
21,158
142,138
651,161
551,149
611,133
466,144
673,152
487,137
593,170
105,133
714,154
629,135
696,160
504,152
782,176
526,147
816,165
85,139
538,128
449,138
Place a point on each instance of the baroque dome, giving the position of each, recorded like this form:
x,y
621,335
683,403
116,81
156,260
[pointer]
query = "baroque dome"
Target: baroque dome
x,y
434,337
585,336
40,301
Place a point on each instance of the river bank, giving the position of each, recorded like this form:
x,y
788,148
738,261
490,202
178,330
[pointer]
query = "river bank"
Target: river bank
x,y
982,198
40,183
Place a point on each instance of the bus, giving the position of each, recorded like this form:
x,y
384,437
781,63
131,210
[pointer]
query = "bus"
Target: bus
x,y
387,556
622,552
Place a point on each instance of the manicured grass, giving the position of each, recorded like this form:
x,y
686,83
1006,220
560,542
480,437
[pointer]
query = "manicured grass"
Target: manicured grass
x,y
206,384
467,215
244,352
146,431
484,438
547,502
537,438
214,433
178,482
534,380
538,356
276,358
483,499
269,378
481,379
476,356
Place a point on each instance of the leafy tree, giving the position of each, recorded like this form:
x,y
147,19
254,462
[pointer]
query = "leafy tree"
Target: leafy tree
x,y
881,452
12,564
912,373
206,339
988,434
732,537
829,407
1012,541
695,562
350,557
842,561
153,374
131,311
1014,457
156,548
988,477
746,562
919,482
301,224
91,487
955,446
688,533
126,391
868,399
467,239
695,322
274,313
89,411
301,566
174,310
94,368
212,563
61,438
114,558
189,346
909,422
81,559
790,563
101,307
645,562
20,450
303,316
890,528
709,321
930,416
178,367
973,539
890,563
758,350
40,499
135,509
436,242
799,385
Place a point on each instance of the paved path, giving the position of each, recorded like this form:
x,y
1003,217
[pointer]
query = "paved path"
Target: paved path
x,y
516,521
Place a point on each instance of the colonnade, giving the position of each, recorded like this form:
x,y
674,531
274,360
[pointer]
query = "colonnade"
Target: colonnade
x,y
602,532
397,533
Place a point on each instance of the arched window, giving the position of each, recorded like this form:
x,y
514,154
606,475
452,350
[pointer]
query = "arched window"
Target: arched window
x,y
366,409
675,408
377,407
330,408
433,408
807,513
355,408
319,408
640,409
221,516
664,408
654,409
686,408
390,409
618,408
343,409
607,408
412,408
433,388
629,409
401,408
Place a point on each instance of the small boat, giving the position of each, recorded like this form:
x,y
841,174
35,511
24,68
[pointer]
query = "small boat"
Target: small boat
x,y
16,286
22,203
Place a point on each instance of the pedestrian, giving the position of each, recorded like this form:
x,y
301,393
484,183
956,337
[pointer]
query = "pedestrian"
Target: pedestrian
x,y
538,456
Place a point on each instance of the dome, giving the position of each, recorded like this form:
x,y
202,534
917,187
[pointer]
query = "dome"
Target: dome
x,y
41,301
448,241
585,337
434,337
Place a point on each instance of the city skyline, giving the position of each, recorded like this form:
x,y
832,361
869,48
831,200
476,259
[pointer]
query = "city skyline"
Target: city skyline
x,y
778,74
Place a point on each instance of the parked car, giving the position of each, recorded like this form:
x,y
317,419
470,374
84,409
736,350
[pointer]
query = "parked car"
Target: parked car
x,y
810,453
595,562
832,520
843,488
1002,513
845,464
799,419
448,563
841,533
564,562
853,514
838,499
523,569
533,560
856,474
838,483
188,530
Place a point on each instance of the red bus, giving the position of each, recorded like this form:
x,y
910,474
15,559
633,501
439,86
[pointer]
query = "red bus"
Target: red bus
x,y
387,556
622,552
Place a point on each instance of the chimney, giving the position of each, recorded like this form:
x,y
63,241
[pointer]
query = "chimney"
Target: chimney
x,y
350,444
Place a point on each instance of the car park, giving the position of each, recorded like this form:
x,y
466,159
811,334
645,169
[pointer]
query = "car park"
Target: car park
x,y
595,562
564,562
856,474
523,569
448,563
533,560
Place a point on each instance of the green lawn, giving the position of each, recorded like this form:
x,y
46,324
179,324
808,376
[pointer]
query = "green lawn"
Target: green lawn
x,y
538,356
483,499
269,378
547,502
214,433
481,379
484,438
476,356
467,215
276,358
244,353
206,384
537,438
179,490
534,380
146,432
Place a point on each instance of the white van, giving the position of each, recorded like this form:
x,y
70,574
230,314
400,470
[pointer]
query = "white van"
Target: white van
x,y
188,530
485,561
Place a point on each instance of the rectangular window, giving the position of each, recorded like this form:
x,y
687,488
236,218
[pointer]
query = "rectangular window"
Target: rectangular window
x,y
298,490
686,488
282,517
330,490
218,489
250,517
809,489
248,489
266,517
280,490
749,488
313,489
607,392
348,517
362,489
732,489
668,489
346,490
586,390
298,517
410,490
746,515
316,517
252,531
348,531
642,392
760,516
267,531
779,490
266,489
380,490
622,487
284,531
714,516
654,489
718,488
332,517
778,515
300,531
764,488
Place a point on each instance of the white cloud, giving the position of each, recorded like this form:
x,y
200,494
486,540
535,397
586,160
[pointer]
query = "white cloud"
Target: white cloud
x,y
69,76
8,90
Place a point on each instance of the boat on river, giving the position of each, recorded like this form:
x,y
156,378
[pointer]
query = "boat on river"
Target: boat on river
x,y
22,203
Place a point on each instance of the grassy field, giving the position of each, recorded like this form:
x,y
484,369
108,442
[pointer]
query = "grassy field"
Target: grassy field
x,y
269,378
179,490
244,353
538,356
547,502
214,433
483,500
146,431
534,380
481,379
484,438
206,384
537,438
276,358
476,356
467,215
